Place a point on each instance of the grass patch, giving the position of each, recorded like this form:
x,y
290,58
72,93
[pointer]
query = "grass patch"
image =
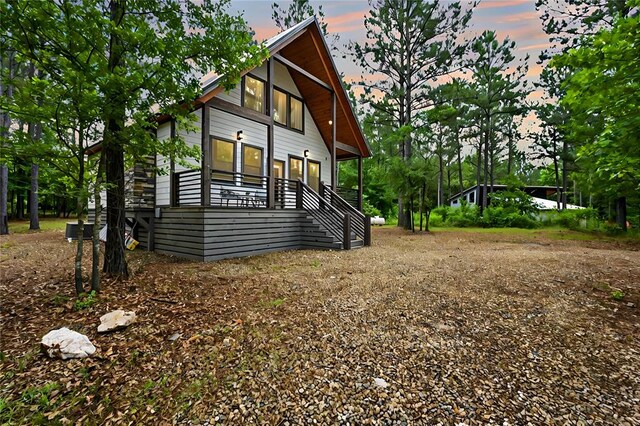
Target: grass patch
x,y
46,224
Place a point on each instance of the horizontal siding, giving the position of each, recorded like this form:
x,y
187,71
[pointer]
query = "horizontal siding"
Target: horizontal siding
x,y
163,165
212,234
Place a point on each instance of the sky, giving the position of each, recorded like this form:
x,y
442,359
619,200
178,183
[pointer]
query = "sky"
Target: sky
x,y
516,19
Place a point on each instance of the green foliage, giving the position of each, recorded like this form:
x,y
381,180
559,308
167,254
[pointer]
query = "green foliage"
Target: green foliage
x,y
370,210
617,295
85,300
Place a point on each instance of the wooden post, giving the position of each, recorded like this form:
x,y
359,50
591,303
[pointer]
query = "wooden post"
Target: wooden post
x,y
206,155
360,182
346,229
271,187
172,170
333,142
298,194
175,190
367,230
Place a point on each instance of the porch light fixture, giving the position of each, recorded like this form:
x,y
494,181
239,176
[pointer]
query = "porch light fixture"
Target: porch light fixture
x,y
330,122
306,153
239,135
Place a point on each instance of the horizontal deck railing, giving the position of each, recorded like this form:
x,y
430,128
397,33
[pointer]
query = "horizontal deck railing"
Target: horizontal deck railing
x,y
350,195
231,189
187,188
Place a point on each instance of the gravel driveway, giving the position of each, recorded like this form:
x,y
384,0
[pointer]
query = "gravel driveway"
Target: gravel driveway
x,y
451,327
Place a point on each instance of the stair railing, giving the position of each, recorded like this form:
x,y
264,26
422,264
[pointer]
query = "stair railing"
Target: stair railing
x,y
360,224
329,217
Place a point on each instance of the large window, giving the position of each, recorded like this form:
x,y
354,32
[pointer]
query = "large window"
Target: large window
x,y
297,114
253,94
278,169
252,164
224,159
288,110
313,175
295,168
280,107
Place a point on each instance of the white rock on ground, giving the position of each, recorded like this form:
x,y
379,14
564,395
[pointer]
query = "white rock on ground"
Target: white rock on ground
x,y
381,382
116,320
64,343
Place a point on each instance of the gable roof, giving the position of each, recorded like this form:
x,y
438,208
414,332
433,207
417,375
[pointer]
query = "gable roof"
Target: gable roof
x,y
305,46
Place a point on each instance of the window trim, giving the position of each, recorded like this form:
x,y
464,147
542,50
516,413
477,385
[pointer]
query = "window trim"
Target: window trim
x,y
319,163
212,138
284,168
291,95
286,105
244,180
264,92
295,157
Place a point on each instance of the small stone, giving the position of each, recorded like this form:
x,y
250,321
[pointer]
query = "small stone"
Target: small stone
x,y
631,305
175,336
65,344
116,320
381,382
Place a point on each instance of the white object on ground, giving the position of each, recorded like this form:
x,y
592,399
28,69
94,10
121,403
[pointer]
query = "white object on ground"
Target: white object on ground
x,y
64,343
116,320
377,220
381,382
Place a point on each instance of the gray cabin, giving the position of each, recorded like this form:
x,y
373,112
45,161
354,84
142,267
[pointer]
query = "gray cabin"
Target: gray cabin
x,y
267,179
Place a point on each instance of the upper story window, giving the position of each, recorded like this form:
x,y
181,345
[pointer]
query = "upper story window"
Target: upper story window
x,y
297,114
253,94
288,110
280,107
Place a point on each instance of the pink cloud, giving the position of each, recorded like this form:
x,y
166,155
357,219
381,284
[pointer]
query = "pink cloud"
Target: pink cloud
x,y
491,4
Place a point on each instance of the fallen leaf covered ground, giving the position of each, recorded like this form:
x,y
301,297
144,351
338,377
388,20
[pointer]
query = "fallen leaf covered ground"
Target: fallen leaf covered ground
x,y
450,327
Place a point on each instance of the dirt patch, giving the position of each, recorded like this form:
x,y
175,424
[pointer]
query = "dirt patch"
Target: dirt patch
x,y
468,328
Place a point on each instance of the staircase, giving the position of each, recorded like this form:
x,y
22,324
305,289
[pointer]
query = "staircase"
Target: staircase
x,y
331,222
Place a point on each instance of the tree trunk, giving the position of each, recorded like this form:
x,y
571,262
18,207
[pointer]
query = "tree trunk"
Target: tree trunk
x,y
486,168
95,265
478,175
20,205
459,155
34,222
4,186
80,201
565,175
621,213
440,169
556,171
115,262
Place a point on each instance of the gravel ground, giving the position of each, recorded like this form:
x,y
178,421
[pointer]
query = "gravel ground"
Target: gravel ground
x,y
443,328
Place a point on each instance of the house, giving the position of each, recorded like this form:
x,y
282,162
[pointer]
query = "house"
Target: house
x,y
474,193
267,179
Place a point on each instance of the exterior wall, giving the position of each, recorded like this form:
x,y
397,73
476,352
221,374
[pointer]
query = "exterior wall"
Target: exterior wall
x,y
162,163
286,142
208,234
191,139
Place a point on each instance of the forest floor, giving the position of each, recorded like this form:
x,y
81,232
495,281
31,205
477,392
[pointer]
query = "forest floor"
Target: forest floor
x,y
450,327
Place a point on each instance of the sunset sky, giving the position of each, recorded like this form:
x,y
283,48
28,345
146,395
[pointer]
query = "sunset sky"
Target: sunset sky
x,y
516,19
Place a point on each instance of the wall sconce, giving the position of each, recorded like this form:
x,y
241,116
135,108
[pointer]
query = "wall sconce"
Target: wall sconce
x,y
239,135
306,153
330,122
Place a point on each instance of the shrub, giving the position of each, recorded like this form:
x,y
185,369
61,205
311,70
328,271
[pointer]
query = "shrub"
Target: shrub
x,y
369,209
85,300
435,220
